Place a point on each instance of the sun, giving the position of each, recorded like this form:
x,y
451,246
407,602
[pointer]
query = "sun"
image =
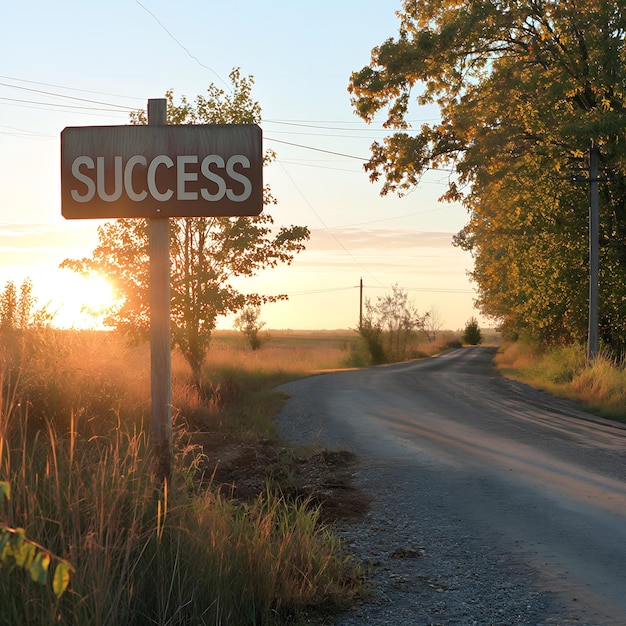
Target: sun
x,y
81,301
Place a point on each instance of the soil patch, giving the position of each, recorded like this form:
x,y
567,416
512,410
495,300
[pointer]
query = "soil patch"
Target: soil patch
x,y
243,470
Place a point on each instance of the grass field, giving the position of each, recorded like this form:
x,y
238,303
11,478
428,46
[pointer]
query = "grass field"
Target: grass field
x,y
75,449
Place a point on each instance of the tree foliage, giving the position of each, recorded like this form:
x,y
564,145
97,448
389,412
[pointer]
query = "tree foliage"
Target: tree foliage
x,y
389,324
521,88
17,308
472,334
250,325
206,254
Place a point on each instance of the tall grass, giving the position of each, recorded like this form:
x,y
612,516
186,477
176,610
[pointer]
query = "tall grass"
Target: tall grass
x,y
600,384
78,460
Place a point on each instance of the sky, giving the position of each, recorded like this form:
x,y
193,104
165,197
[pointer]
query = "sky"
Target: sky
x,y
76,63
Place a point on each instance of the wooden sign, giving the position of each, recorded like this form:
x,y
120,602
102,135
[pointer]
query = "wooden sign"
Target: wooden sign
x,y
161,171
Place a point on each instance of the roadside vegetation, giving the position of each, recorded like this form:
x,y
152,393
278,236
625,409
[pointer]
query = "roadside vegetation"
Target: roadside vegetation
x,y
393,330
74,446
600,385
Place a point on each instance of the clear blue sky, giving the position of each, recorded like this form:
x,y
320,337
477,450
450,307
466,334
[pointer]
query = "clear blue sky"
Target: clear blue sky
x,y
75,63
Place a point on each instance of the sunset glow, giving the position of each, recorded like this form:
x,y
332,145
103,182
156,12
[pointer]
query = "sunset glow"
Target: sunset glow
x,y
81,302
317,177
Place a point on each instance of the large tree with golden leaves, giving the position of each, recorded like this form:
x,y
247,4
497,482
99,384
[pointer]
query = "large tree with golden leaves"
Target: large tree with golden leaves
x,y
521,87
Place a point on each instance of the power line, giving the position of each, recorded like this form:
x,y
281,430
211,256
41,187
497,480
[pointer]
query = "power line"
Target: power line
x,y
58,105
353,137
347,156
353,287
101,93
315,123
427,289
321,127
321,167
299,145
27,133
323,223
192,56
59,95
318,291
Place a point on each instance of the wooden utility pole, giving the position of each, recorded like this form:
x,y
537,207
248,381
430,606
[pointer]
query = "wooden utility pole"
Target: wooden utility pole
x,y
160,342
594,228
361,304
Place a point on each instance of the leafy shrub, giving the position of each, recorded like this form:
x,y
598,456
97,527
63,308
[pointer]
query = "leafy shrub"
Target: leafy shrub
x,y
472,334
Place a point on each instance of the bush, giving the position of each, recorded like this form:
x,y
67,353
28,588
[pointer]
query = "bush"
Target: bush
x,y
249,324
472,335
370,345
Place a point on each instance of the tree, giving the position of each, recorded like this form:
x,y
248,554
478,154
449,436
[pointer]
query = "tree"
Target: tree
x,y
433,323
249,324
521,87
472,334
205,253
17,310
389,324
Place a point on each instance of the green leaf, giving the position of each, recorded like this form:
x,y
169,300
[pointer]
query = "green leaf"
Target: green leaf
x,y
5,491
18,537
61,578
24,555
5,538
38,569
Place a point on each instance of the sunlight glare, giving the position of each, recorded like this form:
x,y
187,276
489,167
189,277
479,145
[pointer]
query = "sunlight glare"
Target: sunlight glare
x,y
81,301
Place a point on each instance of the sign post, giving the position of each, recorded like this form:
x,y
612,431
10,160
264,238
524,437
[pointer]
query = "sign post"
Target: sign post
x,y
160,342
157,172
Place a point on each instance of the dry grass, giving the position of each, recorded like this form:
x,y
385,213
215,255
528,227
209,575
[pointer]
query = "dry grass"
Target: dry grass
x,y
564,371
73,445
294,353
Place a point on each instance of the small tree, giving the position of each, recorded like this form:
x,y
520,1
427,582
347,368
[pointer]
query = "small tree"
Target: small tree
x,y
248,323
472,334
17,310
432,323
389,324
18,315
206,253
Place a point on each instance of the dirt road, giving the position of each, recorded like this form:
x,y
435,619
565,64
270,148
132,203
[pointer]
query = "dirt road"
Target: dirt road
x,y
531,491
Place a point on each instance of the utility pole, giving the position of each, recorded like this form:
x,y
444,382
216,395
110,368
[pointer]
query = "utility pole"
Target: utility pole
x,y
594,234
361,304
594,244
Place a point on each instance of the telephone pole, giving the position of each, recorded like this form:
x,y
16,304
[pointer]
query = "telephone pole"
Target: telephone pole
x,y
594,234
361,304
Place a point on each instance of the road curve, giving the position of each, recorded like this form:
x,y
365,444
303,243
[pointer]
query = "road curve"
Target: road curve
x,y
542,478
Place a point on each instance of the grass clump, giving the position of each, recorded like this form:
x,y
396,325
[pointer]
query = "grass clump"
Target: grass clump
x,y
600,384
